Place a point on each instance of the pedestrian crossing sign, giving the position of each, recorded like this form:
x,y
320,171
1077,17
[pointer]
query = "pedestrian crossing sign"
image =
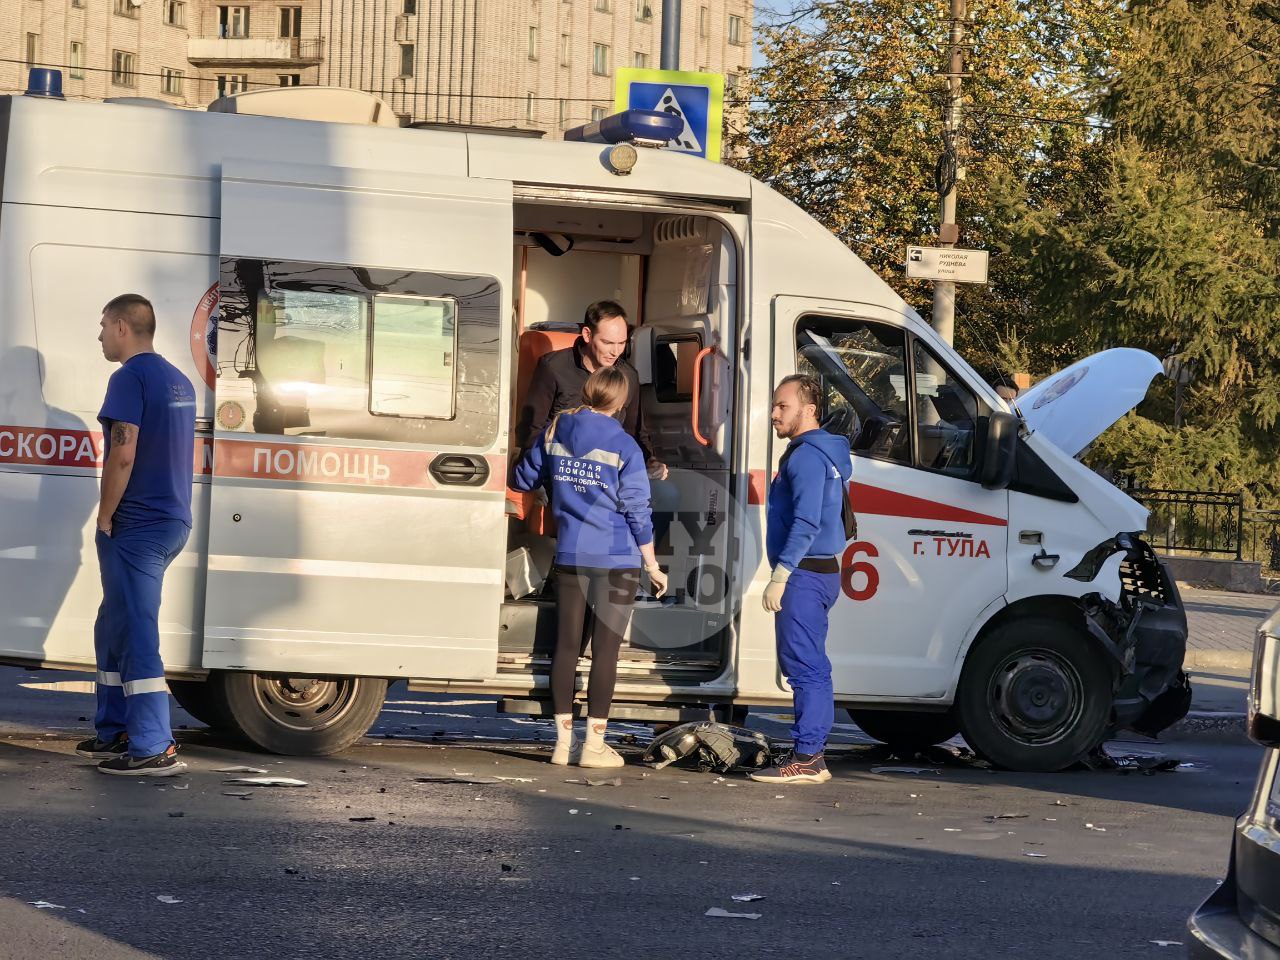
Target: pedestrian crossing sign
x,y
697,98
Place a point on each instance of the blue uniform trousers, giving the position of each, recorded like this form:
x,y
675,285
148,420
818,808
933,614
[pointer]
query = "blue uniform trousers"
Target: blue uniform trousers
x,y
132,694
801,629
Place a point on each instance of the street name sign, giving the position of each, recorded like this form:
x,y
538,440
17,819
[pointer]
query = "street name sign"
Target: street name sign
x,y
947,263
697,98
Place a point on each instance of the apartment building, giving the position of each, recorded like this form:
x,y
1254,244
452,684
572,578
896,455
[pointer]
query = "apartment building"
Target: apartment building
x,y
539,64
106,48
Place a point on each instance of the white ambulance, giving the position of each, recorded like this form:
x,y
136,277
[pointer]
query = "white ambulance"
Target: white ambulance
x,y
360,308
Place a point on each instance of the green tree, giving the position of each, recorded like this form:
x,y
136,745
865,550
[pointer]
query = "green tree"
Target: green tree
x,y
847,122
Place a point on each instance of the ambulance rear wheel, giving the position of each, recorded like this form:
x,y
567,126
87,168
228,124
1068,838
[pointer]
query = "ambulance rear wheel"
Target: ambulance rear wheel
x,y
1035,695
908,730
302,716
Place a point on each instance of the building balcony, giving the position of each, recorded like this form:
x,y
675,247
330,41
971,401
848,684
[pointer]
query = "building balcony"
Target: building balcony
x,y
254,51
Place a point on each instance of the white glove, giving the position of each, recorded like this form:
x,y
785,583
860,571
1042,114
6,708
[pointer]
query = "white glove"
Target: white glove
x,y
777,587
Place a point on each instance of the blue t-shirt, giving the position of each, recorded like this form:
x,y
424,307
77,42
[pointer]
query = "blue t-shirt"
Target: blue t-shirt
x,y
154,395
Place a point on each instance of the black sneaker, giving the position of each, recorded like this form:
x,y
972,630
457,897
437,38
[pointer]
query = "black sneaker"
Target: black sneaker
x,y
96,749
794,768
164,764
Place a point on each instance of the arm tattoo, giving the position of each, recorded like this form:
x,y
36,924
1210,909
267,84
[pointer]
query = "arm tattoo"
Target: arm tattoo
x,y
119,433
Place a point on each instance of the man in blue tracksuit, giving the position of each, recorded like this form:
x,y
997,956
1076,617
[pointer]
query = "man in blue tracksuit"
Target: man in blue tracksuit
x,y
804,535
144,518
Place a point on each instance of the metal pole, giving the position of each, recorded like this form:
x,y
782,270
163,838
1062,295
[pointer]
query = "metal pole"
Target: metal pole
x,y
670,58
1240,525
944,291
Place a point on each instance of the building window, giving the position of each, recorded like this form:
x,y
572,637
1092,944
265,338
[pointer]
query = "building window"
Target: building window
x,y
171,81
75,60
533,43
644,11
122,69
731,83
175,13
33,48
233,22
563,112
79,4
126,8
735,30
410,7
704,17
290,79
406,59
598,114
600,60
641,60
603,6
291,22
528,107
565,44
232,83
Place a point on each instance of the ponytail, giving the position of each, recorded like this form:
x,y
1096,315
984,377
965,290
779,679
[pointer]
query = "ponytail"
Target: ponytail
x,y
605,389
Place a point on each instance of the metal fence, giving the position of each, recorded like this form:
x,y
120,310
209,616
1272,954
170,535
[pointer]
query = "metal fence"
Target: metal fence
x,y
1197,521
1213,523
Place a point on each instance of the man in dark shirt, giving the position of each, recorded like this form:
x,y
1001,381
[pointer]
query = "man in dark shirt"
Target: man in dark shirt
x,y
557,386
144,519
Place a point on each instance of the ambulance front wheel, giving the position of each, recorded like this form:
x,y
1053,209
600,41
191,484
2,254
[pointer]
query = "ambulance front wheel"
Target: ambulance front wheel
x,y
1035,695
301,716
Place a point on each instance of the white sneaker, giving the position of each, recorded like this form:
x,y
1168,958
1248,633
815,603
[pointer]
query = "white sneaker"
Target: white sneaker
x,y
602,756
566,753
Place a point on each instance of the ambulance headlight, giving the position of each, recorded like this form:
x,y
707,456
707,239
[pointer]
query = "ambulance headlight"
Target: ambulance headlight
x,y
622,158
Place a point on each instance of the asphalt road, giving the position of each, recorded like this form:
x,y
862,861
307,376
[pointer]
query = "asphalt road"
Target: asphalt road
x,y
956,861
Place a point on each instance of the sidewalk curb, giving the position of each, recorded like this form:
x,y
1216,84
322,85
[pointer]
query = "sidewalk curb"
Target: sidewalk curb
x,y
1218,660
1208,725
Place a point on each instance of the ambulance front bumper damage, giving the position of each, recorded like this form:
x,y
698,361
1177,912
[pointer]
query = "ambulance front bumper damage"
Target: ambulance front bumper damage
x,y
1145,633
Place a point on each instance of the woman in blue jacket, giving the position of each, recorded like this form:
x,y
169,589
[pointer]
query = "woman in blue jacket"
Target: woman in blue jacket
x,y
596,477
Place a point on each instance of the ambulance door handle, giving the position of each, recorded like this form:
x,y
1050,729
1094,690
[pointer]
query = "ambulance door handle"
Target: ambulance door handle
x,y
460,469
697,393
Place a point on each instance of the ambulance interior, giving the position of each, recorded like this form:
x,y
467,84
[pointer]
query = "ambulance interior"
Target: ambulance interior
x,y
677,277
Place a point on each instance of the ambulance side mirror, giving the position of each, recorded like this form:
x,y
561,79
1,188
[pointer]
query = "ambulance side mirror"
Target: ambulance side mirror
x,y
999,447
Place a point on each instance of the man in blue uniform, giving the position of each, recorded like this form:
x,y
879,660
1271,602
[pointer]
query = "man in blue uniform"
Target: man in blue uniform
x,y
144,518
804,534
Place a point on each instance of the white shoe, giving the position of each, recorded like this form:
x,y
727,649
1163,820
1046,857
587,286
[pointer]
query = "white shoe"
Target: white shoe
x,y
566,753
600,757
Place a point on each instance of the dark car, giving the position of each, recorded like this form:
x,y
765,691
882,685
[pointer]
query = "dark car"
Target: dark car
x,y
1242,918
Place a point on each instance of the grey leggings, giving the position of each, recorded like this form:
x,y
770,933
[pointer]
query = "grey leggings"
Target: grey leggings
x,y
604,599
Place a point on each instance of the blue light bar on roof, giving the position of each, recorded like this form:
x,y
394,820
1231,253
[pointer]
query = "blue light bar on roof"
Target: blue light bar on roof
x,y
638,126
45,82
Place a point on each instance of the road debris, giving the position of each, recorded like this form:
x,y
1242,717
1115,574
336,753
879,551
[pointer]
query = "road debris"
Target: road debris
x,y
239,770
747,897
1005,816
905,770
1090,826
611,782
242,794
1039,856
459,778
266,782
1167,943
711,747
167,898
362,819
46,905
180,786
721,912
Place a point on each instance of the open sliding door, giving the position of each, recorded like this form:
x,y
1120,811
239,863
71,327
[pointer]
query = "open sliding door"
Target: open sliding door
x,y
357,519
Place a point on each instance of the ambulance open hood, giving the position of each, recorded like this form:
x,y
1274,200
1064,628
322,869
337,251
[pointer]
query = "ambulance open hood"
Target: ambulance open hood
x,y
1074,406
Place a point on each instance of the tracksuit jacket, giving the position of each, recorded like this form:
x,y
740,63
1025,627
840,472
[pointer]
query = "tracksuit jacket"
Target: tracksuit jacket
x,y
804,501
596,477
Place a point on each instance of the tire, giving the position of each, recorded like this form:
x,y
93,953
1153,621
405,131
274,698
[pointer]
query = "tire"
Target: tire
x,y
907,730
300,716
1035,695
202,700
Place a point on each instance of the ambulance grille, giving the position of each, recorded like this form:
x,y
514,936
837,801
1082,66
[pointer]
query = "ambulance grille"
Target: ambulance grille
x,y
680,230
1142,577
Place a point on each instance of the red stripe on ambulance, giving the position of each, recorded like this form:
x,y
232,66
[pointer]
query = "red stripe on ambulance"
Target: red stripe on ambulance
x,y
877,501
51,447
349,466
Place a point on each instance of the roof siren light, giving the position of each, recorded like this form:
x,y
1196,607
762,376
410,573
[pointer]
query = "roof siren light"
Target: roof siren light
x,y
45,82
644,128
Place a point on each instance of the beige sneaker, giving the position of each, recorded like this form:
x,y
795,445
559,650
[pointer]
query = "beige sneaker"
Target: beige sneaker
x,y
602,756
566,753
